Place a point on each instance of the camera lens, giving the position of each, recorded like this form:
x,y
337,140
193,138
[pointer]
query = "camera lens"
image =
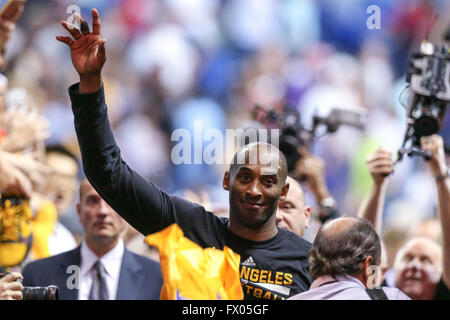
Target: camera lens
x,y
41,293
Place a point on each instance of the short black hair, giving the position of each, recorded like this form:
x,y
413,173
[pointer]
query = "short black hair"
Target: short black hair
x,y
342,253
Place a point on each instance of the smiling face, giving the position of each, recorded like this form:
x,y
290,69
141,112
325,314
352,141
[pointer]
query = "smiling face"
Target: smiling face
x,y
100,222
418,268
255,188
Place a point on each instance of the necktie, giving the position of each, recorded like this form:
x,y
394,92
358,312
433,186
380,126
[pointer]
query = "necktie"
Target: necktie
x,y
99,291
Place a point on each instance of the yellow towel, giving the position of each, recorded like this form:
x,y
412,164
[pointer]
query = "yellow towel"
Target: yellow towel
x,y
15,232
43,224
190,272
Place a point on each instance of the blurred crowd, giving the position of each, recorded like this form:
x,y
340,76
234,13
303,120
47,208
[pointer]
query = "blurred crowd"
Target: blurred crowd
x,y
173,62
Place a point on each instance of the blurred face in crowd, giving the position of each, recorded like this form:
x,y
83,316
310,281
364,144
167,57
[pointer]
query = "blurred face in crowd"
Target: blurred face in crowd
x,y
100,222
61,187
418,268
292,214
254,189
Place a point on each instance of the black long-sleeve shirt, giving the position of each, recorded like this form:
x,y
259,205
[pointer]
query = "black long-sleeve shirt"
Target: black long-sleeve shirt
x,y
273,269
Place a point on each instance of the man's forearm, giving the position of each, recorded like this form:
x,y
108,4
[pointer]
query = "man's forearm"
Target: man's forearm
x,y
443,189
372,206
142,204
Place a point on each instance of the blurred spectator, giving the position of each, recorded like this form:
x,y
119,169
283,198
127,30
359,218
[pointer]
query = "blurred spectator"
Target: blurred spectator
x,y
107,270
60,189
418,270
292,213
421,265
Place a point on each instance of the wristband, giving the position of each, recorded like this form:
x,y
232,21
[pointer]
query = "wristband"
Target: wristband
x,y
443,177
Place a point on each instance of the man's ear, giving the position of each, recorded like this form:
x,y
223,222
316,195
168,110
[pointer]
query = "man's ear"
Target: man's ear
x,y
307,216
367,263
367,270
284,191
226,181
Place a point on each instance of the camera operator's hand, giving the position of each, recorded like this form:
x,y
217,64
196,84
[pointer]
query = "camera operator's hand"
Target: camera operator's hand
x,y
380,165
312,170
435,145
10,288
87,51
439,169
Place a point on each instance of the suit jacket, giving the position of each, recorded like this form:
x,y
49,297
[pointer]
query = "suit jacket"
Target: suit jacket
x,y
140,278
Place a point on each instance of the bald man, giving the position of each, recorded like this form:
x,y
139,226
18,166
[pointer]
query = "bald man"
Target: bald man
x,y
293,214
418,270
344,257
274,262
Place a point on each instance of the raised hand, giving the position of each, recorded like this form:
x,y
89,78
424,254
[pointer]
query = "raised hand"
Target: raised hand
x,y
435,144
380,165
8,18
13,181
87,50
23,130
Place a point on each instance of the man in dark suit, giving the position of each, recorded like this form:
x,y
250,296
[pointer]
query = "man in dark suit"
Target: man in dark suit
x,y
101,268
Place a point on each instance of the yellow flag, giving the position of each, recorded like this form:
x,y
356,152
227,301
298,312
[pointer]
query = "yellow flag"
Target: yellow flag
x,y
191,272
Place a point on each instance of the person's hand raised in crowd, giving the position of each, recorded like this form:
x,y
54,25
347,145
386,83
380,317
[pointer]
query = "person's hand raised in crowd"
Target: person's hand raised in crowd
x,y
36,171
6,28
10,288
380,165
8,21
312,170
20,174
24,130
87,50
435,145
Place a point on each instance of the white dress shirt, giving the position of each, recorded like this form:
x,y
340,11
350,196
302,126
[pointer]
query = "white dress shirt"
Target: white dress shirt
x,y
61,240
111,261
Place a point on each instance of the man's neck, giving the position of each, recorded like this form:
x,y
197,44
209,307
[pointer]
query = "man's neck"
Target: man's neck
x,y
100,248
265,232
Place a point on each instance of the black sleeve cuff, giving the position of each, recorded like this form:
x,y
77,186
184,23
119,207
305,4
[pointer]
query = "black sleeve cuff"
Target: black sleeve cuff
x,y
83,103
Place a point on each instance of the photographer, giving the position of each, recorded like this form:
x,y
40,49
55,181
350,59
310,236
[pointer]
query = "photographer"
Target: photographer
x,y
10,287
422,267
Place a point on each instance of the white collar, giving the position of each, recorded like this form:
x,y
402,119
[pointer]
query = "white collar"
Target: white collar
x,y
111,261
